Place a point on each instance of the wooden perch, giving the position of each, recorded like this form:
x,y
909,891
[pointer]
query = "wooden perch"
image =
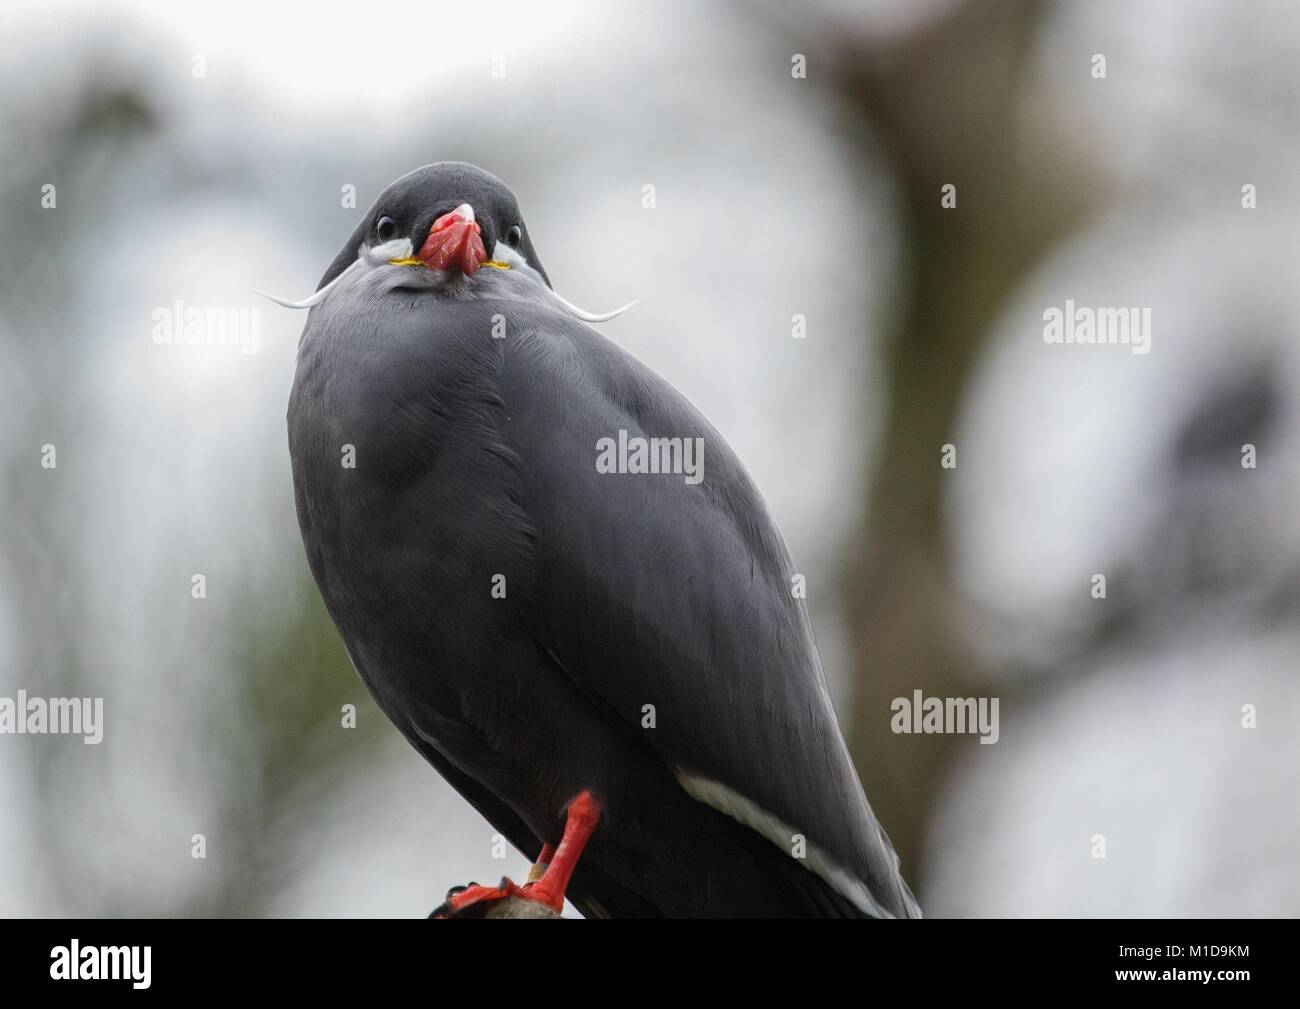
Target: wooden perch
x,y
510,906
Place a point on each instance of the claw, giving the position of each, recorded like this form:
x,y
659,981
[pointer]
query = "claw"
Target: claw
x,y
474,900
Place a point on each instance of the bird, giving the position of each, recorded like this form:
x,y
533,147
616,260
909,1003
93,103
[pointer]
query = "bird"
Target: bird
x,y
606,660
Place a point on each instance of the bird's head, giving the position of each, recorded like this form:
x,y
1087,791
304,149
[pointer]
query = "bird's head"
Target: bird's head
x,y
448,216
448,221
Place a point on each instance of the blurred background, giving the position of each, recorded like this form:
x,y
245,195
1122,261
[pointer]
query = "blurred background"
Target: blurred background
x,y
196,152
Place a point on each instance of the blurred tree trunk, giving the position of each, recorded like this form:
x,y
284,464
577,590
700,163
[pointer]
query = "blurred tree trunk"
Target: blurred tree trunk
x,y
943,106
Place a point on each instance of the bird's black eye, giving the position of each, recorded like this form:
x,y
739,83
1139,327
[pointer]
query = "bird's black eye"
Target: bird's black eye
x,y
386,229
514,236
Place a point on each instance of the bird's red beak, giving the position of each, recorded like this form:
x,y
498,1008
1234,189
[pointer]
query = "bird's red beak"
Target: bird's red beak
x,y
454,242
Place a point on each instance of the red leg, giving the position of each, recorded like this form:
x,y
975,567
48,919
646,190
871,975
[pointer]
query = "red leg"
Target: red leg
x,y
543,860
580,823
554,866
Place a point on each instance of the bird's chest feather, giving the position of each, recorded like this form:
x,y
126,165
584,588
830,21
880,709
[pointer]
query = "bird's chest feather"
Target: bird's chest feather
x,y
407,496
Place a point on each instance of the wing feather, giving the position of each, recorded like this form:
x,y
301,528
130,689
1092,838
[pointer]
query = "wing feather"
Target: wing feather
x,y
678,595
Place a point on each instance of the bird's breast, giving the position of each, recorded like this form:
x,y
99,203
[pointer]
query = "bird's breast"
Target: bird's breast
x,y
407,494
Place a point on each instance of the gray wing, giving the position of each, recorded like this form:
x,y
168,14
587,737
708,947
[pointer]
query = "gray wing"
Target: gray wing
x,y
677,595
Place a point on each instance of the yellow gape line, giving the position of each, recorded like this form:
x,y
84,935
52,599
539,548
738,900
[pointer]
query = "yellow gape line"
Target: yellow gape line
x,y
420,262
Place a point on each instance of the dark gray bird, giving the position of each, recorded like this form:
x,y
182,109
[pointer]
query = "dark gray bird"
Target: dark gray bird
x,y
593,637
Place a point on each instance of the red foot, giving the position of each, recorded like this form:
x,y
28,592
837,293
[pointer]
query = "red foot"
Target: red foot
x,y
557,865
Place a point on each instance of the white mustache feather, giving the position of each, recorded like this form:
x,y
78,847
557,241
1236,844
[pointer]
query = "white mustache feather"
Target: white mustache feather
x,y
400,248
582,314
505,253
307,302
